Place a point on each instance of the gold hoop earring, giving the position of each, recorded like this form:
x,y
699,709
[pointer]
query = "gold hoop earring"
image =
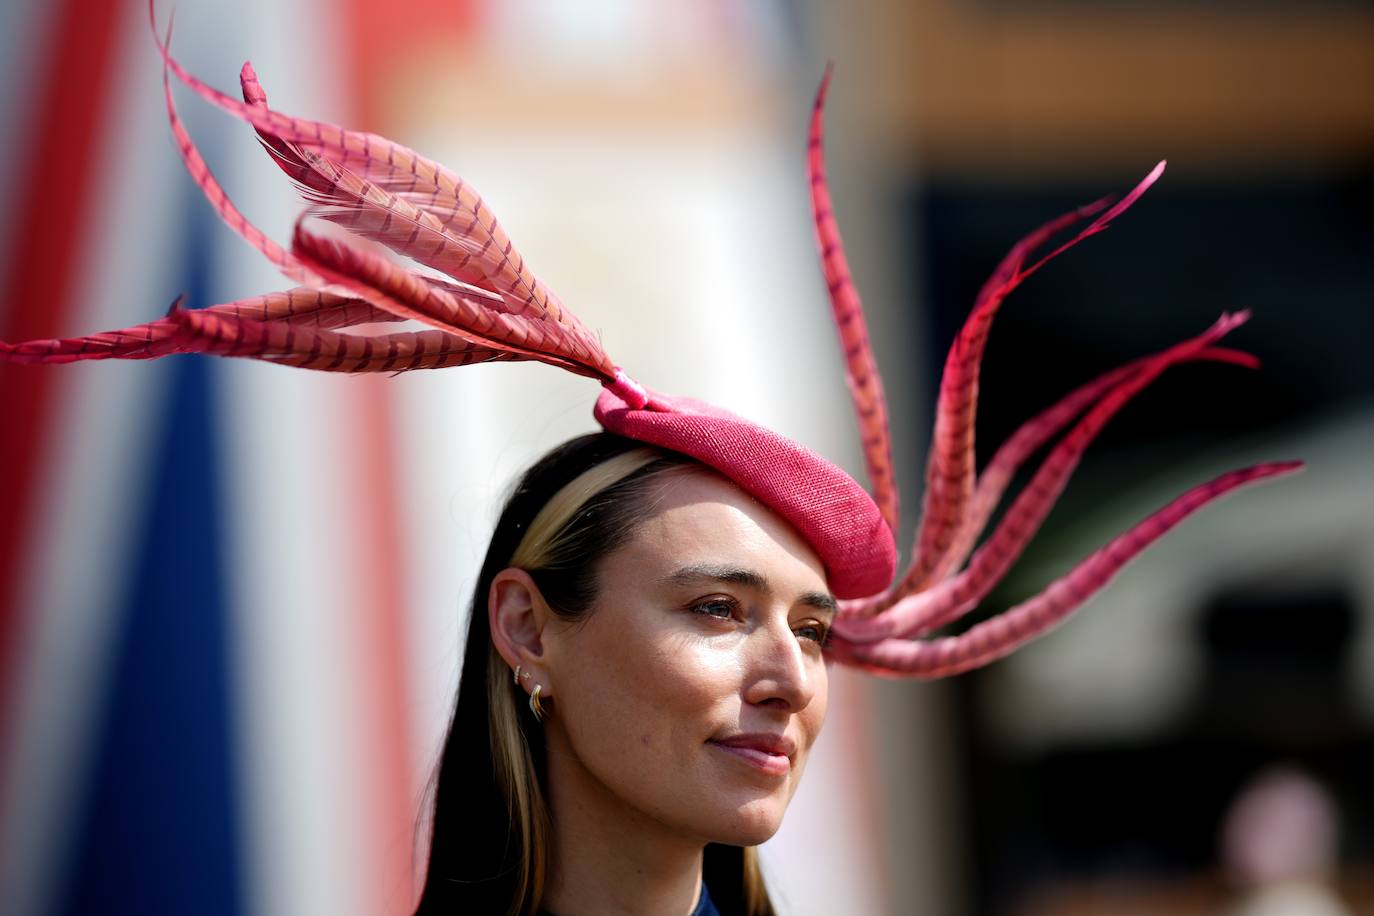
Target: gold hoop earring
x,y
537,707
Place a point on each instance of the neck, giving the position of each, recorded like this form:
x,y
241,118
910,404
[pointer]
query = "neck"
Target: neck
x,y
608,858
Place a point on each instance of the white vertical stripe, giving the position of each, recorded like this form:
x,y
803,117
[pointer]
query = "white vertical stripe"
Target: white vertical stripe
x,y
302,754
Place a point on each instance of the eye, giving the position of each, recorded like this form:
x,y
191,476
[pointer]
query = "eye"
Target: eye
x,y
719,607
814,632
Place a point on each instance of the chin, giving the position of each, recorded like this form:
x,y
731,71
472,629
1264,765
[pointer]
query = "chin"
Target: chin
x,y
749,824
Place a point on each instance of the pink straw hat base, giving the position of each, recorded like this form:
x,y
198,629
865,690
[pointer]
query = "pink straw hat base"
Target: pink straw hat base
x,y
826,506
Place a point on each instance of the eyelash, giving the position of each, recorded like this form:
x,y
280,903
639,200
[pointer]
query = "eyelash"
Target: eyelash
x,y
729,603
823,632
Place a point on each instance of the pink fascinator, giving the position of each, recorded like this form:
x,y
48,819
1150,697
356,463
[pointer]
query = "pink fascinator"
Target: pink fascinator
x,y
479,302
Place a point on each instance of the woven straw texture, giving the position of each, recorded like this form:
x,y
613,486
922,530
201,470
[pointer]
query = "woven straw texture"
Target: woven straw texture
x,y
826,506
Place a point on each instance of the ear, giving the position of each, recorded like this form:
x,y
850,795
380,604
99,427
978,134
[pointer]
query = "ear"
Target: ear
x,y
517,614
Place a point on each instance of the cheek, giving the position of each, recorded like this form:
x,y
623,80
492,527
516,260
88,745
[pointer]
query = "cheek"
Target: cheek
x,y
811,719
651,695
813,716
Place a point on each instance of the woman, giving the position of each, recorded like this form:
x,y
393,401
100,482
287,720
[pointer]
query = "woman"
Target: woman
x,y
665,593
672,628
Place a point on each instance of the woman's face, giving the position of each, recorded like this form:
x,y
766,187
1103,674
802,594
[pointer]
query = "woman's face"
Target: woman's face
x,y
693,690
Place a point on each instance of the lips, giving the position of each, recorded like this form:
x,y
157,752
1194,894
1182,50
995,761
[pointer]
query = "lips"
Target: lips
x,y
769,753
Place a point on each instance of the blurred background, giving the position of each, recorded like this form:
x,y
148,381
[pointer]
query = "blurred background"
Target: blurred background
x,y
232,595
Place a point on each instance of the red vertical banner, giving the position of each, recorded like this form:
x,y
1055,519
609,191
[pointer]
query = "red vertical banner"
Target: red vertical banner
x,y
53,188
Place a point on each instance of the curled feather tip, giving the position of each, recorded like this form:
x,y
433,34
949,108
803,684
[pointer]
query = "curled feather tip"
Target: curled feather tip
x,y
1131,197
253,92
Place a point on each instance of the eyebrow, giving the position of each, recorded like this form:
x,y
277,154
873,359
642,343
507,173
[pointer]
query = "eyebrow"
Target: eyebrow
x,y
737,575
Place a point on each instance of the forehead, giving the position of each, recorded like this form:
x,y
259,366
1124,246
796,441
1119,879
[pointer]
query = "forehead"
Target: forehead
x,y
699,517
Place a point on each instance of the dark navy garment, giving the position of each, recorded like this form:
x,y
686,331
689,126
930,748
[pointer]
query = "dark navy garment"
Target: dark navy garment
x,y
704,905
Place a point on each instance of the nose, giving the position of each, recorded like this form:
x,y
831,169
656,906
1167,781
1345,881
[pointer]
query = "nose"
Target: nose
x,y
780,674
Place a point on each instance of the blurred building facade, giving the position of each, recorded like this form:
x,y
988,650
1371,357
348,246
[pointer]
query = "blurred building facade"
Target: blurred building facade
x,y
1094,767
